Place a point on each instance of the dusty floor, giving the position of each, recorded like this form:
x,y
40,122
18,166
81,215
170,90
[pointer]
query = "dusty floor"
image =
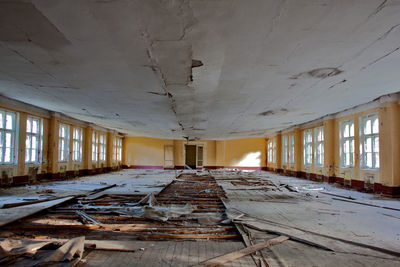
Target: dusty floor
x,y
261,204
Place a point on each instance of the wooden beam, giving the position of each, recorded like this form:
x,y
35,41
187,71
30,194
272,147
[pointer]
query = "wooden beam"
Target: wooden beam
x,y
220,260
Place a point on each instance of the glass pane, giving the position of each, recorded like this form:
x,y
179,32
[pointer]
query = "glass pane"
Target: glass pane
x,y
34,155
346,131
351,129
1,139
35,126
1,120
8,140
9,121
7,155
28,142
1,154
34,142
27,154
376,144
351,146
368,160
28,125
376,155
367,127
368,144
375,127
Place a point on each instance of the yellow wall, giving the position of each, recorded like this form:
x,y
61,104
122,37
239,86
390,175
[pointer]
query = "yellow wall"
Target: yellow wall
x,y
144,151
245,152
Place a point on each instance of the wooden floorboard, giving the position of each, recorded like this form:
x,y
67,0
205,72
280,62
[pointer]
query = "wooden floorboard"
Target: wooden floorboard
x,y
168,253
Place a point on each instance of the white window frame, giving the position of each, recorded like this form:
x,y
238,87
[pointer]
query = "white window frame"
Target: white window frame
x,y
346,142
291,149
77,140
95,147
284,149
63,143
102,147
271,150
30,135
12,132
319,146
373,135
117,153
307,147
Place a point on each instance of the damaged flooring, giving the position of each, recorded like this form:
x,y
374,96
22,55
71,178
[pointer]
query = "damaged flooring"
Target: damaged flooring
x,y
169,218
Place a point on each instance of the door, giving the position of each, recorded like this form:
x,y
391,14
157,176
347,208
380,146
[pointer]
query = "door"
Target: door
x,y
168,157
200,156
190,156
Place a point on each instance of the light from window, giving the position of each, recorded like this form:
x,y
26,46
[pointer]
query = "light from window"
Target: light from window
x,y
307,147
346,142
117,155
95,146
63,143
77,145
271,150
369,142
319,146
291,149
102,147
284,149
7,136
33,141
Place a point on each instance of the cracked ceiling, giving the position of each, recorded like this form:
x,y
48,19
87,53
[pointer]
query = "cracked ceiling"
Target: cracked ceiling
x,y
207,69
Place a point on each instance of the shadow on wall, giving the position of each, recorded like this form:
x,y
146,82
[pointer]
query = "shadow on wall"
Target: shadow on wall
x,y
251,159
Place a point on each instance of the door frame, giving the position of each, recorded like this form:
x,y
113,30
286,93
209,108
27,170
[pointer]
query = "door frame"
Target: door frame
x,y
196,143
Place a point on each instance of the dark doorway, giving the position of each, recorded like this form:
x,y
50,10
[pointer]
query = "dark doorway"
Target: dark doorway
x,y
190,158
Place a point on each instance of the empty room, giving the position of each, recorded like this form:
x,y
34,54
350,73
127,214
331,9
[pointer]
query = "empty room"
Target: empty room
x,y
199,133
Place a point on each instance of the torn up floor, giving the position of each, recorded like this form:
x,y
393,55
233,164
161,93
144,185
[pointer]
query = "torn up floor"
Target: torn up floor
x,y
189,218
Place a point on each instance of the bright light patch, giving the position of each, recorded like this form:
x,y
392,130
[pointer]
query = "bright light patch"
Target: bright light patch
x,y
252,159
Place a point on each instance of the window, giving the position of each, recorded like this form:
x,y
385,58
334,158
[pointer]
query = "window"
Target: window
x,y
291,149
271,150
319,146
33,142
284,149
346,142
117,148
95,146
63,143
77,145
103,144
369,142
307,147
7,136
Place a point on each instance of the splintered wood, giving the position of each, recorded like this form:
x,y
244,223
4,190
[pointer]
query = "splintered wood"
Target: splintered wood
x,y
189,208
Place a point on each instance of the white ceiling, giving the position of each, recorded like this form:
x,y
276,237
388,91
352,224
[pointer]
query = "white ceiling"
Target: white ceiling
x,y
267,65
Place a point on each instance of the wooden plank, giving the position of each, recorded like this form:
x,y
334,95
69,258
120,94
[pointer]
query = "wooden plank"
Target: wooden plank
x,y
18,204
220,260
13,214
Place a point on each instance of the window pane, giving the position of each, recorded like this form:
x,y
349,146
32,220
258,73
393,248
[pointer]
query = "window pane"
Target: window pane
x,y
1,120
28,142
7,156
367,127
375,127
368,144
9,122
35,126
346,131
8,140
27,154
28,125
351,129
376,144
369,160
376,155
33,155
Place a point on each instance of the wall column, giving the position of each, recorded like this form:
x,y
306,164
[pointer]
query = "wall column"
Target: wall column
x,y
21,143
110,150
329,148
298,150
88,149
53,144
278,151
389,148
